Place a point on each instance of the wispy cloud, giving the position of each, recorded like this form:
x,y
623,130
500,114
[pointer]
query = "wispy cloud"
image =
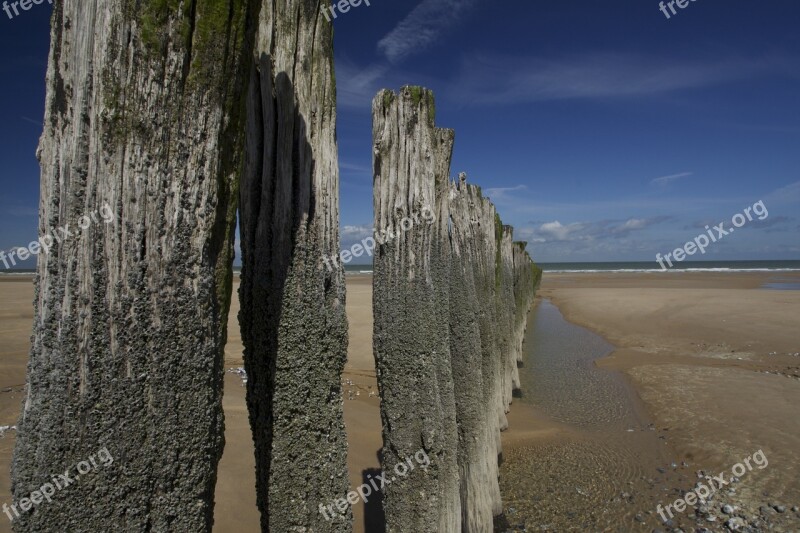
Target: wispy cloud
x,y
351,168
773,224
488,79
701,224
663,181
422,27
790,194
634,224
26,119
591,231
355,85
501,194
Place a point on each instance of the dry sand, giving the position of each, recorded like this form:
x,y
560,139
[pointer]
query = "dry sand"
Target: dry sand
x,y
16,319
696,346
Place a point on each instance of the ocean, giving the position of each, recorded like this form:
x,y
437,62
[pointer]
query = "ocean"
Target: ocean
x,y
687,266
620,266
648,266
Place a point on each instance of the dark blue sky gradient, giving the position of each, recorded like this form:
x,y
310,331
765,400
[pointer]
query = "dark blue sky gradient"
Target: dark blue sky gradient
x,y
567,113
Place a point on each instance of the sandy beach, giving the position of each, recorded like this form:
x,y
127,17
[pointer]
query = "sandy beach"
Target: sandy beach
x,y
708,355
713,358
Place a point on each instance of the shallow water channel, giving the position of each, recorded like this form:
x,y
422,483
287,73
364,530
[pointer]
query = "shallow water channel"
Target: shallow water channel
x,y
560,376
599,470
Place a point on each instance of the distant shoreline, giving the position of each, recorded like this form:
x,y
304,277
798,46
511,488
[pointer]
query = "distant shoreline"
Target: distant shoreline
x,y
644,267
689,266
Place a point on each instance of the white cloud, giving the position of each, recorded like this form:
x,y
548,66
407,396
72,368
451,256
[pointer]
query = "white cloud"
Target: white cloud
x,y
422,27
356,233
557,231
634,223
487,79
357,85
663,181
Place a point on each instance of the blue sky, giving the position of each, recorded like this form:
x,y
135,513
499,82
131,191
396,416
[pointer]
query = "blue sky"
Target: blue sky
x,y
603,131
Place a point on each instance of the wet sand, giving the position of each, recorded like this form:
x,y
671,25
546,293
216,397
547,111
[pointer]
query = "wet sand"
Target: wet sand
x,y
601,451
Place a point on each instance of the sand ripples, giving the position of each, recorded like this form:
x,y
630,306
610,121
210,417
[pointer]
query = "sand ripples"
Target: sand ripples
x,y
572,486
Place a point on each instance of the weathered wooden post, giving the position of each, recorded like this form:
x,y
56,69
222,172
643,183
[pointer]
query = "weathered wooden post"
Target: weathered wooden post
x,y
143,121
526,281
477,446
505,302
293,321
411,317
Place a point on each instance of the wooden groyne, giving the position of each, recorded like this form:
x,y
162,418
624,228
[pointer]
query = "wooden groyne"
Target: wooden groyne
x,y
166,118
450,300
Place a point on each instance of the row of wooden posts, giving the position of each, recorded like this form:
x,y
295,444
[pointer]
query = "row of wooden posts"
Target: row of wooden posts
x,y
181,120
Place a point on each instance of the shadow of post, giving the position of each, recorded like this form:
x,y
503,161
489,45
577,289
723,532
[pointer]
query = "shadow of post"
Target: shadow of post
x,y
374,518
